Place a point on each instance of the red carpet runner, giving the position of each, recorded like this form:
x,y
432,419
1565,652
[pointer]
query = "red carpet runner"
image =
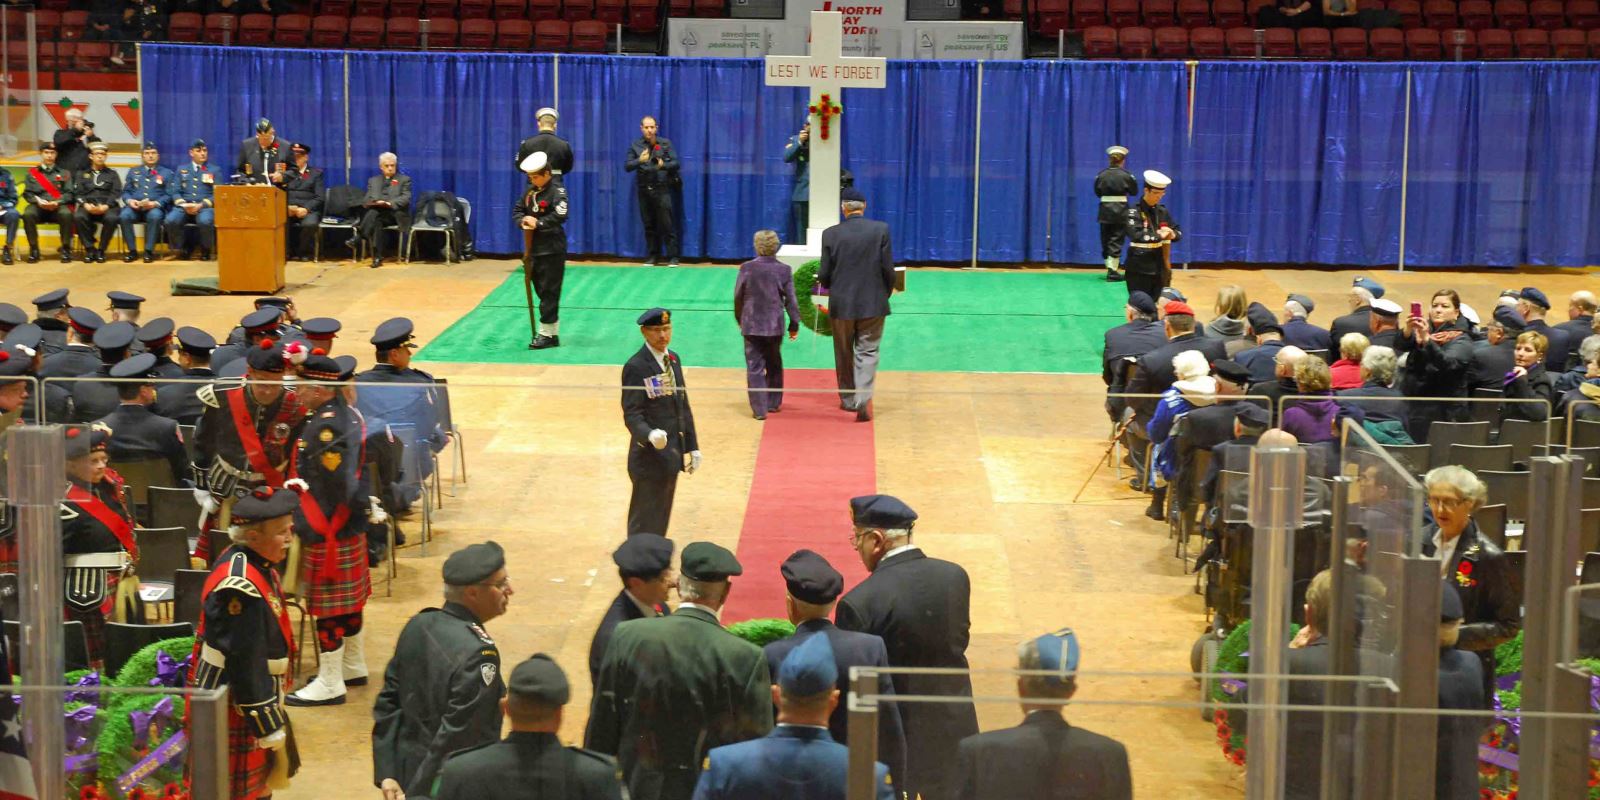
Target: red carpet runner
x,y
812,459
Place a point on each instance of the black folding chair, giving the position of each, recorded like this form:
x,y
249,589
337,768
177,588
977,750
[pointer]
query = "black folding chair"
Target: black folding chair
x,y
187,587
125,641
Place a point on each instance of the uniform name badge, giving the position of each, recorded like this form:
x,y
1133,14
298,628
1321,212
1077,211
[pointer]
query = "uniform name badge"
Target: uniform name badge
x,y
655,387
205,177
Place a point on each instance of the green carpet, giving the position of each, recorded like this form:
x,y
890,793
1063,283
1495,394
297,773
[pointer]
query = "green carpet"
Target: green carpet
x,y
946,321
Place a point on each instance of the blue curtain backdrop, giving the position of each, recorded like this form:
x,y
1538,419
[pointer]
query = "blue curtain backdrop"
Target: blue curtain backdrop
x,y
1272,162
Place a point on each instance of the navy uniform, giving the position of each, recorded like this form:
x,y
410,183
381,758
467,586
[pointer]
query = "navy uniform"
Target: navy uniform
x,y
97,186
655,179
413,402
644,556
1147,264
16,364
1302,334
303,188
48,182
11,316
673,688
179,401
93,399
194,185
556,149
655,408
544,253
52,308
9,214
809,578
156,338
243,643
78,357
146,183
1045,758
919,606
320,332
137,433
1359,320
124,306
1124,344
1112,186
531,765
441,691
97,543
258,162
797,760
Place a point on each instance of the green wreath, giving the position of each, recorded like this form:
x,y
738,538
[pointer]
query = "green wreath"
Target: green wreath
x,y
762,632
805,278
116,741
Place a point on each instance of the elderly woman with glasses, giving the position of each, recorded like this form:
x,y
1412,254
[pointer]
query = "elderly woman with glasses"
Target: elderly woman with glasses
x,y
1471,562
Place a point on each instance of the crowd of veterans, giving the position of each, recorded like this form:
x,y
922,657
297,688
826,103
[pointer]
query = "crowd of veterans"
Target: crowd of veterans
x,y
1191,394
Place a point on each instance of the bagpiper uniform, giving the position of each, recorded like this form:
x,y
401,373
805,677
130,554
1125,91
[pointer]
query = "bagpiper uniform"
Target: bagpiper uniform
x,y
97,543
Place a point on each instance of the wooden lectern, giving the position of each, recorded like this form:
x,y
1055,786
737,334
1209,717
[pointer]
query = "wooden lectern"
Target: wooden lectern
x,y
250,244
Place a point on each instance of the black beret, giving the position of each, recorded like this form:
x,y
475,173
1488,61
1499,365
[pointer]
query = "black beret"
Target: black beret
x,y
392,333
541,680
263,504
197,144
320,327
149,145
261,320
196,341
11,316
84,320
811,579
1535,297
14,362
1141,302
265,357
114,337
139,366
51,300
321,367
643,555
1510,319
124,299
83,440
655,316
1250,414
156,332
1262,319
704,561
881,511
1230,370
473,564
263,125
26,335
851,194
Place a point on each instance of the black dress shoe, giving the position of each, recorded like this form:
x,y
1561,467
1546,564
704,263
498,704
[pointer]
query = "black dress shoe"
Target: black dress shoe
x,y
100,256
545,342
864,413
1114,276
650,262
672,262
33,256
149,257
205,255
376,262
760,416
129,257
66,256
5,256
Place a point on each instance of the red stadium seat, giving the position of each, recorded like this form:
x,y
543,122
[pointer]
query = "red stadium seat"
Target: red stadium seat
x,y
517,34
1012,9
678,8
577,10
1051,16
1532,43
292,29
1512,14
366,31
1158,13
55,5
371,8
589,36
16,55
255,29
1315,43
51,53
443,32
1122,13
1350,43
642,16
537,10
1087,13
1171,42
183,26
1194,13
1227,14
1594,40
1583,14
335,8
73,24
553,35
1547,14
1135,42
475,9
510,9
402,32
1440,14
1569,43
1387,43
1279,43
1208,43
1494,43
1458,44
710,8
91,56
405,8
478,33
329,30
611,12
437,9
1422,44
220,28
1100,41
1476,14
1409,11
1241,42
47,23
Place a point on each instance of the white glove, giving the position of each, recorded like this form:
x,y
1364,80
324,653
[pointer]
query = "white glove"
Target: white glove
x,y
658,438
208,504
694,461
297,485
375,512
274,740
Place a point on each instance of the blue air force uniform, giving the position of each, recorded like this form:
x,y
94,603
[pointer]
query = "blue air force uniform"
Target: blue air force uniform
x,y
145,183
194,183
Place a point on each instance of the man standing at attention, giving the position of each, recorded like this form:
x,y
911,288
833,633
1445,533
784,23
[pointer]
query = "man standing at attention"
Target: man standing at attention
x,y
655,407
1113,185
655,167
858,272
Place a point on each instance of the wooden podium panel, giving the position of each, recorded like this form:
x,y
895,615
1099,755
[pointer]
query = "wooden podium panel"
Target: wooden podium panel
x,y
250,244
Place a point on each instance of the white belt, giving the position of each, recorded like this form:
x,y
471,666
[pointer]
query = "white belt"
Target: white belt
x,y
215,657
555,172
116,560
1147,245
1113,198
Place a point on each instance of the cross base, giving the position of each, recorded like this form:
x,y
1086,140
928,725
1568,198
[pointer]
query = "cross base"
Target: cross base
x,y
796,255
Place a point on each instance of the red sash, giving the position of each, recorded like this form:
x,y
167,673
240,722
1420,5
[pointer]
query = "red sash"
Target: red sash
x,y
97,508
45,182
269,592
253,449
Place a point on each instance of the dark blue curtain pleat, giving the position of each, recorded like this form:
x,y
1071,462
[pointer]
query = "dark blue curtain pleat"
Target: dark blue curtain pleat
x,y
1565,206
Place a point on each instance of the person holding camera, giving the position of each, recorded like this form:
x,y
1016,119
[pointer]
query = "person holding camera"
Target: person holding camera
x,y
72,142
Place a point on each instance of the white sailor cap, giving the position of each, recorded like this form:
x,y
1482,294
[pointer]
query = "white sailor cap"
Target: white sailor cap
x,y
546,112
1156,180
1471,314
536,162
1116,150
1387,308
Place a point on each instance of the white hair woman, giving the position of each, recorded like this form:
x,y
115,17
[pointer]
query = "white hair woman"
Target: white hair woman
x,y
1193,388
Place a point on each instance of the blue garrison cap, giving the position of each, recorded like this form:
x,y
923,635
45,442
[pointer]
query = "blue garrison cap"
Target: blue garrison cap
x,y
654,317
881,511
11,316
810,578
1373,287
809,669
1058,652
1262,319
1510,319
1304,301
1172,293
1535,297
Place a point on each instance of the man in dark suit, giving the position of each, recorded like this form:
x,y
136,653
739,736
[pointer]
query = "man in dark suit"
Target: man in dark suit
x,y
1209,426
1045,757
1533,305
387,202
673,688
858,272
644,561
1362,292
814,586
1154,374
1298,330
1249,422
1125,343
1579,324
919,606
260,155
662,440
178,401
1268,334
1455,775
137,433
1492,361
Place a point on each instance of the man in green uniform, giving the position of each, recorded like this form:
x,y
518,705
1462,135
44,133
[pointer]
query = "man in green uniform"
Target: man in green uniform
x,y
531,763
671,688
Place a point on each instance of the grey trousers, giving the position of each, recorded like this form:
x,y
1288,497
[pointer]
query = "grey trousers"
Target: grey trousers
x,y
855,358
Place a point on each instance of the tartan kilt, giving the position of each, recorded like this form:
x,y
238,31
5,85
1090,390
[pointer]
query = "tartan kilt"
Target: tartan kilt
x,y
248,765
343,592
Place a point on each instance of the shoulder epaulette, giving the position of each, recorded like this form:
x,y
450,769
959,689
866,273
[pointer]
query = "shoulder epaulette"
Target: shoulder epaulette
x,y
208,395
240,585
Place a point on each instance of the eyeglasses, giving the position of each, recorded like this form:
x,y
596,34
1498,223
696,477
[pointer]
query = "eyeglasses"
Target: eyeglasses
x,y
1448,503
502,585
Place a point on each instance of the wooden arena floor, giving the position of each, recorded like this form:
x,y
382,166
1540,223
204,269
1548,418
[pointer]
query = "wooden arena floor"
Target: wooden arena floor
x,y
991,462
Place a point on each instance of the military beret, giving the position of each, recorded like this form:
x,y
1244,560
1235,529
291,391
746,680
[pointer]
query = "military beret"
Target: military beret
x,y
881,511
51,300
1262,319
1304,301
1373,287
198,144
811,579
1156,180
26,335
265,357
1386,308
1248,413
85,439
1178,307
196,341
99,147
320,367
156,332
261,320
149,145
1450,608
1510,319
276,301
1230,371
541,680
809,670
114,337
655,316
320,328
263,125
1535,297
643,555
11,316
474,564
704,561
14,361
124,299
392,333
1058,652
536,162
139,366
1116,150
43,146
546,112
1171,293
1141,302
263,504
84,320
851,194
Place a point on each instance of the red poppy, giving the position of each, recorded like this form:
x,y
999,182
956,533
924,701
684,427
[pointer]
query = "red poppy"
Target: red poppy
x,y
543,204
658,148
137,794
1465,568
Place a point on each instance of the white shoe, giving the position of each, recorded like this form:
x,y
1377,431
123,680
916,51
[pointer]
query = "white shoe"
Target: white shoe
x,y
327,689
355,661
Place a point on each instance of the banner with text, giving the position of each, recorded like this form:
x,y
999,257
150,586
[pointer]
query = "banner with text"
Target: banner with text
x,y
755,38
